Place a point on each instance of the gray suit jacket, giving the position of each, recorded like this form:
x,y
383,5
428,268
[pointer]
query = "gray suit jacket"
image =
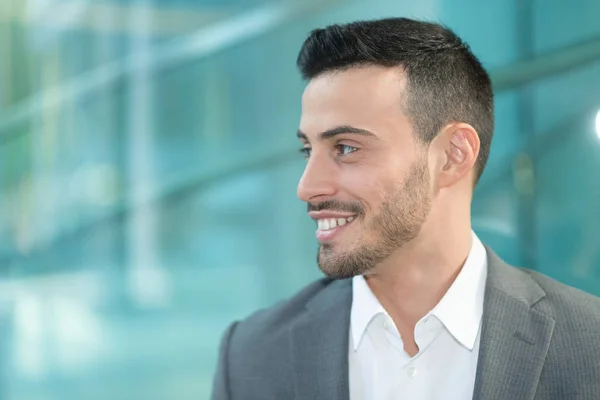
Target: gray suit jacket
x,y
540,340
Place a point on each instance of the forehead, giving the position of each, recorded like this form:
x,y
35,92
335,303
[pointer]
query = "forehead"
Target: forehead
x,y
366,97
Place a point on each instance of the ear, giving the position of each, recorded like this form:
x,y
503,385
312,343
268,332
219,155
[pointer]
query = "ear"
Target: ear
x,y
457,148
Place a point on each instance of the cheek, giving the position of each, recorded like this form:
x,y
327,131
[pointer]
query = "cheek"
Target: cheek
x,y
367,187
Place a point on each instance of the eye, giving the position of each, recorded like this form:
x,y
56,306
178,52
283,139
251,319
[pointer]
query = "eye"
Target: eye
x,y
306,151
345,149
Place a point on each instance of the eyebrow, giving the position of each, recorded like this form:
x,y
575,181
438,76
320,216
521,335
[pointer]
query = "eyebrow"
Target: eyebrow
x,y
340,130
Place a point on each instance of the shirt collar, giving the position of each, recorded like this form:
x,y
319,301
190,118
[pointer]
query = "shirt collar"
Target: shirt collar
x,y
460,309
365,307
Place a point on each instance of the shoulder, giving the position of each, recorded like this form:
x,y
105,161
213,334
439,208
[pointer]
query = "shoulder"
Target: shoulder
x,y
256,348
575,345
270,324
255,351
572,360
566,304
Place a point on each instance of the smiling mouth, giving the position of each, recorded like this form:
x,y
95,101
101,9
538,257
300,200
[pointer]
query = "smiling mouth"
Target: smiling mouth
x,y
327,224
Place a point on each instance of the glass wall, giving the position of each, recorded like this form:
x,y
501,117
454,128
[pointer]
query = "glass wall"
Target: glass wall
x,y
148,172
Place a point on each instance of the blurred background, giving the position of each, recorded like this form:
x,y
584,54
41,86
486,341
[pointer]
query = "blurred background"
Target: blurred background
x,y
148,170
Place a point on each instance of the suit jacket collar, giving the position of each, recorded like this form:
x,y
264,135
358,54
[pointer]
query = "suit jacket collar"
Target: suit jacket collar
x,y
514,339
319,343
515,336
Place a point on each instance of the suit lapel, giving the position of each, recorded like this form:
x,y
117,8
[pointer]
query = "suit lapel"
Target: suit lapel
x,y
514,338
319,343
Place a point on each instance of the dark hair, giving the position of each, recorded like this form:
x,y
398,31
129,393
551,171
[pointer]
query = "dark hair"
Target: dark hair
x,y
446,82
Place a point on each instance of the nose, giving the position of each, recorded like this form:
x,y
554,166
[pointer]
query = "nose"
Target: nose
x,y
318,181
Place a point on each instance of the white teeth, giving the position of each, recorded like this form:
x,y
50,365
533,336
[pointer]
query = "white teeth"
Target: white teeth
x,y
331,223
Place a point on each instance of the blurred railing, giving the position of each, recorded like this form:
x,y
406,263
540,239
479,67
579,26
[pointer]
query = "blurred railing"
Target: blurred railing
x,y
207,41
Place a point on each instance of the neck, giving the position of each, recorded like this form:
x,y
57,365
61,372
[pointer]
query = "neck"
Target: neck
x,y
414,279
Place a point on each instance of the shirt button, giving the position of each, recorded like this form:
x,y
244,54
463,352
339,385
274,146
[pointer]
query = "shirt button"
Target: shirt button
x,y
411,371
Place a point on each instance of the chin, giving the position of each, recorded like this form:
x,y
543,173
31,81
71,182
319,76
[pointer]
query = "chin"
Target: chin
x,y
341,265
337,274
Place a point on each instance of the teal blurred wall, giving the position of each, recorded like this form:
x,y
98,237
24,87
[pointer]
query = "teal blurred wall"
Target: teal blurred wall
x,y
148,171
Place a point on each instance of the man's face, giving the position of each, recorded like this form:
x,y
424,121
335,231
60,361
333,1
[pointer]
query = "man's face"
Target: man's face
x,y
367,180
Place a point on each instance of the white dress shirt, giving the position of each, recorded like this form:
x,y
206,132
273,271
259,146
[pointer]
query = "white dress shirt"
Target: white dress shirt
x,y
447,337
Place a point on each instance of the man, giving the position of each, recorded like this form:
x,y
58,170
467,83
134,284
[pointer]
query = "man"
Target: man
x,y
397,122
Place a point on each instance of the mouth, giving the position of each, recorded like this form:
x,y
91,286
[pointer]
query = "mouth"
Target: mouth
x,y
328,228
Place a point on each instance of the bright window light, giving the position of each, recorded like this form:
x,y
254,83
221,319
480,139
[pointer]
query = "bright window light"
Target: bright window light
x,y
598,123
